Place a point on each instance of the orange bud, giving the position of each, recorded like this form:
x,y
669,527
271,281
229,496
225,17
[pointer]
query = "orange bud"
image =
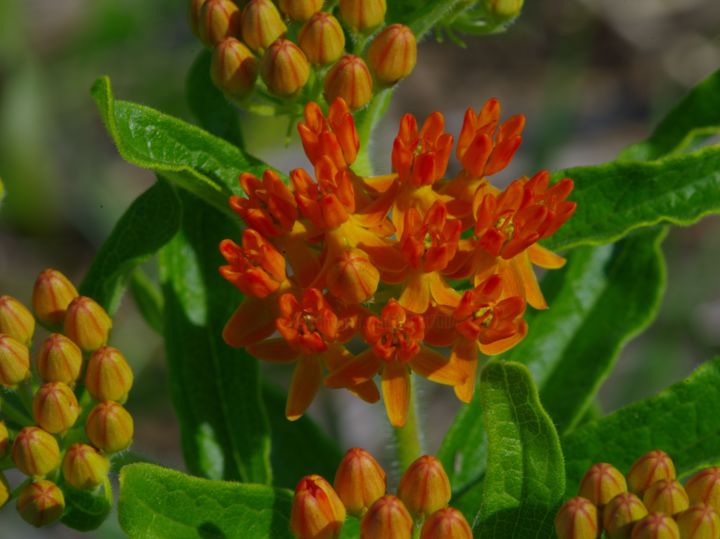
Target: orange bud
x,y
359,481
261,24
55,407
350,79
52,294
577,519
87,324
300,10
194,13
621,514
16,320
322,39
317,512
41,503
218,19
35,452
704,487
59,360
387,518
699,522
602,483
393,54
363,14
666,496
4,440
425,487
14,361
109,427
352,277
4,490
656,526
446,523
84,467
284,68
108,376
649,468
234,68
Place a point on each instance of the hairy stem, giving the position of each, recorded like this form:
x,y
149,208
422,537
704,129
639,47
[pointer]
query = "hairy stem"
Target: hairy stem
x,y
407,438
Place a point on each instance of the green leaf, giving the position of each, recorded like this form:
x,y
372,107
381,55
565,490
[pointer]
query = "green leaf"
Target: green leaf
x,y
525,477
148,224
86,510
215,389
422,16
683,420
157,503
148,298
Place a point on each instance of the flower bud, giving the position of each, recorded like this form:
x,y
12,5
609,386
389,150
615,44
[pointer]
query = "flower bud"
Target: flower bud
x,y
14,361
666,496
218,19
16,320
446,523
35,452
704,487
363,14
359,481
602,483
4,440
300,10
284,68
108,376
322,39
52,294
109,427
393,54
649,468
350,79
656,526
55,407
425,487
699,522
317,512
84,467
40,503
87,324
504,9
352,278
261,24
387,518
621,514
194,16
577,519
4,490
234,68
59,360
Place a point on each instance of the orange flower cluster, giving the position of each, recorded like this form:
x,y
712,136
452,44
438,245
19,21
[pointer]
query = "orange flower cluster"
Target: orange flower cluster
x,y
349,277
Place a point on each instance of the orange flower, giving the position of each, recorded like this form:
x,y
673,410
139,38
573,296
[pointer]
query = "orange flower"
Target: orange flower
x,y
334,136
256,268
269,206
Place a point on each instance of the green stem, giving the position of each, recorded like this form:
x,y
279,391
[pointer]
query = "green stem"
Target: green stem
x,y
407,438
366,120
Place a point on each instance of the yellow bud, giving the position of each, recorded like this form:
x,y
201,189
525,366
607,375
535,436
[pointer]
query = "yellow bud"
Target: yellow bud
x,y
656,526
621,514
666,496
577,519
35,452
194,16
52,294
317,512
84,467
446,523
300,10
261,24
55,407
602,483
4,490
16,320
699,522
14,361
234,68
109,427
704,487
504,9
425,487
359,481
284,68
108,376
218,19
59,360
387,518
363,15
87,324
393,54
322,39
41,503
4,440
650,468
350,79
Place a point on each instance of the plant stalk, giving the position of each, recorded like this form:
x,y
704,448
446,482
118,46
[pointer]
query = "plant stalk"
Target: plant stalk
x,y
408,438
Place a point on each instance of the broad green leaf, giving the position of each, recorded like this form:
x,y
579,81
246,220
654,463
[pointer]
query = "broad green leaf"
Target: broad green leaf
x,y
148,224
525,477
148,298
215,389
157,503
683,420
86,510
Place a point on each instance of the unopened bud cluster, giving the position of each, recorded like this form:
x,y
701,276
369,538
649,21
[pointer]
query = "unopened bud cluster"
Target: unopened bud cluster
x,y
360,489
73,367
648,503
291,42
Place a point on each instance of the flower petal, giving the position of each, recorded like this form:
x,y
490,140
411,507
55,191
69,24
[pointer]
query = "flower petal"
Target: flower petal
x,y
503,345
545,258
306,381
438,368
274,350
360,369
524,274
396,392
441,292
415,296
251,322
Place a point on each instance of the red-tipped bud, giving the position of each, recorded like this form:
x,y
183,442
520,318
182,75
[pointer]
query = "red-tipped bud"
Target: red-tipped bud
x,y
387,518
350,79
4,440
363,14
52,294
425,487
108,376
284,68
59,360
234,68
41,503
218,19
35,452
352,277
300,10
699,522
704,487
577,519
261,24
656,526
317,512
666,496
359,481
621,514
55,407
14,361
650,468
4,490
194,13
322,39
602,483
446,523
393,54
109,427
16,320
87,324
84,467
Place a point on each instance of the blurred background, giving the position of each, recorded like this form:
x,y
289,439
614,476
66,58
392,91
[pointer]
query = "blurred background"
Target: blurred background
x,y
591,77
